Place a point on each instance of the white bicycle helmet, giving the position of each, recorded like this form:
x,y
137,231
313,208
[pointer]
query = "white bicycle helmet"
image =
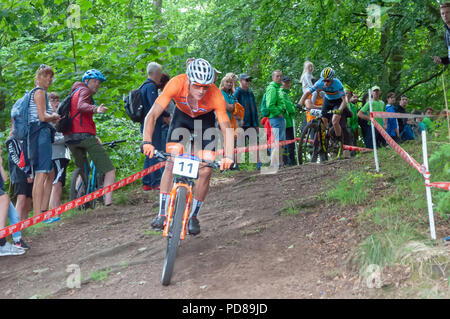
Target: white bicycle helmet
x,y
200,71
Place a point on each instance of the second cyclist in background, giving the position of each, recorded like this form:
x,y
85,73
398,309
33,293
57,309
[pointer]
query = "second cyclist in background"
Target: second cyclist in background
x,y
334,99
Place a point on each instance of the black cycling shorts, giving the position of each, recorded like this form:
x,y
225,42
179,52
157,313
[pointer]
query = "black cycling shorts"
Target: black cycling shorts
x,y
60,166
203,127
23,188
329,105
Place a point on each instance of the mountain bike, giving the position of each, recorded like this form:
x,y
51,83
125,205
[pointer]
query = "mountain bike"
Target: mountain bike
x,y
318,141
87,180
185,169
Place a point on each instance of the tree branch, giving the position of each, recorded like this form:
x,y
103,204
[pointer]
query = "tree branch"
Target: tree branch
x,y
424,81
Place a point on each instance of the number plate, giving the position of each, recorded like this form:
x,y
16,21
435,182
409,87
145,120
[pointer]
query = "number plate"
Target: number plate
x,y
186,165
316,113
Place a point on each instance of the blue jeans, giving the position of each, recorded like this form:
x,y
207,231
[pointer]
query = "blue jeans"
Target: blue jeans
x,y
40,146
152,179
278,125
14,219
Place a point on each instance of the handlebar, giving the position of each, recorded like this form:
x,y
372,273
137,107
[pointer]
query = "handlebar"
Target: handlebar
x,y
113,143
163,156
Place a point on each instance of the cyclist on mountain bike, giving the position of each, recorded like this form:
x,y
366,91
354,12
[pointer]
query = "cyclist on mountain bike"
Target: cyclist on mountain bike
x,y
334,98
197,98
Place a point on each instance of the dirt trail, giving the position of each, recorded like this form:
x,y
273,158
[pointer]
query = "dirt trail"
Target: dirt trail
x,y
247,248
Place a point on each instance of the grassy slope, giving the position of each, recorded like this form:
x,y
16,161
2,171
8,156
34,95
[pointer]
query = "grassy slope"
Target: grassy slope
x,y
393,215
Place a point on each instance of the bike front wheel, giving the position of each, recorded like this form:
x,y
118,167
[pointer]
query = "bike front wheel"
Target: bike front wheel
x,y
309,148
173,237
78,186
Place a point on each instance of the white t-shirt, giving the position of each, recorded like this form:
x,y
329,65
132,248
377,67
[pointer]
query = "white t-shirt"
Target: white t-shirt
x,y
306,80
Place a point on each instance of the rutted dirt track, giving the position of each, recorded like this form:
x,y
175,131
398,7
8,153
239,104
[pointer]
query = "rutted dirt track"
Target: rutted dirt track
x,y
247,248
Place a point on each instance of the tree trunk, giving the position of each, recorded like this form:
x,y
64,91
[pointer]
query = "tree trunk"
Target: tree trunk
x,y
2,102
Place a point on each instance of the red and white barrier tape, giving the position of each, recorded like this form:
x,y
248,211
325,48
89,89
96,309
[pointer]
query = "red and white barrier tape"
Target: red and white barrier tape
x,y
355,148
411,161
77,202
400,115
441,185
254,148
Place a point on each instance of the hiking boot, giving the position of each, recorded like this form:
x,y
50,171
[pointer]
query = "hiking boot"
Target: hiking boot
x,y
194,226
11,250
158,222
21,244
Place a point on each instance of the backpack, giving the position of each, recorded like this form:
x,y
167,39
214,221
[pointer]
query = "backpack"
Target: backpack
x,y
19,115
65,123
264,109
134,105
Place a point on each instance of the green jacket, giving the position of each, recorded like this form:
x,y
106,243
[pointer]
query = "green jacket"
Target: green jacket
x,y
288,106
353,121
274,103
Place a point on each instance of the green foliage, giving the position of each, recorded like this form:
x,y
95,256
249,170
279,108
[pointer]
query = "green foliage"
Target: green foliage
x,y
353,189
100,275
440,166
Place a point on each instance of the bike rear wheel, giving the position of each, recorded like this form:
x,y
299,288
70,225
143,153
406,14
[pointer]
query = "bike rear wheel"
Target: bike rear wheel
x,y
78,186
309,148
173,238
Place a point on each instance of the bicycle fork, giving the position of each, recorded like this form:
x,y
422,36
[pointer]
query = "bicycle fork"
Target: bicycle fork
x,y
170,210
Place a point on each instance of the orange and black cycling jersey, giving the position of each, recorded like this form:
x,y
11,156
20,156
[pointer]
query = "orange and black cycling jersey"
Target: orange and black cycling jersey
x,y
177,89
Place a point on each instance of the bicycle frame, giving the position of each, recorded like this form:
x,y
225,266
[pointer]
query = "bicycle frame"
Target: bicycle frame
x,y
188,184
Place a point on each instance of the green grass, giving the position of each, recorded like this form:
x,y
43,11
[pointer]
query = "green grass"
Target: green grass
x,y
393,212
100,275
291,209
353,189
151,232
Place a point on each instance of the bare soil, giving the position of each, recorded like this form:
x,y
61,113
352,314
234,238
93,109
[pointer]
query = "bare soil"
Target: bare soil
x,y
249,247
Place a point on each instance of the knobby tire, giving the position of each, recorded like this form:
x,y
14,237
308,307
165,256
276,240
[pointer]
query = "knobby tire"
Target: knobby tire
x,y
173,238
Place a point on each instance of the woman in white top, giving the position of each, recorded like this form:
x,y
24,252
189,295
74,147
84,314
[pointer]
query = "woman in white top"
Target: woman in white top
x,y
41,133
307,81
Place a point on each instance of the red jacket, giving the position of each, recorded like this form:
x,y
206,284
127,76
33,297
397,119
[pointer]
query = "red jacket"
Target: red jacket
x,y
268,128
82,102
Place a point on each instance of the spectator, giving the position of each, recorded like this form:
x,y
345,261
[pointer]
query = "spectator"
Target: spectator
x,y
82,138
234,78
227,88
429,125
352,98
275,106
445,14
347,136
416,125
60,159
363,123
363,113
246,98
170,109
12,212
307,82
391,124
401,108
317,103
20,177
149,92
290,111
41,135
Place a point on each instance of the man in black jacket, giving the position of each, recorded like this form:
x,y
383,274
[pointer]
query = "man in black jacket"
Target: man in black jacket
x,y
445,14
